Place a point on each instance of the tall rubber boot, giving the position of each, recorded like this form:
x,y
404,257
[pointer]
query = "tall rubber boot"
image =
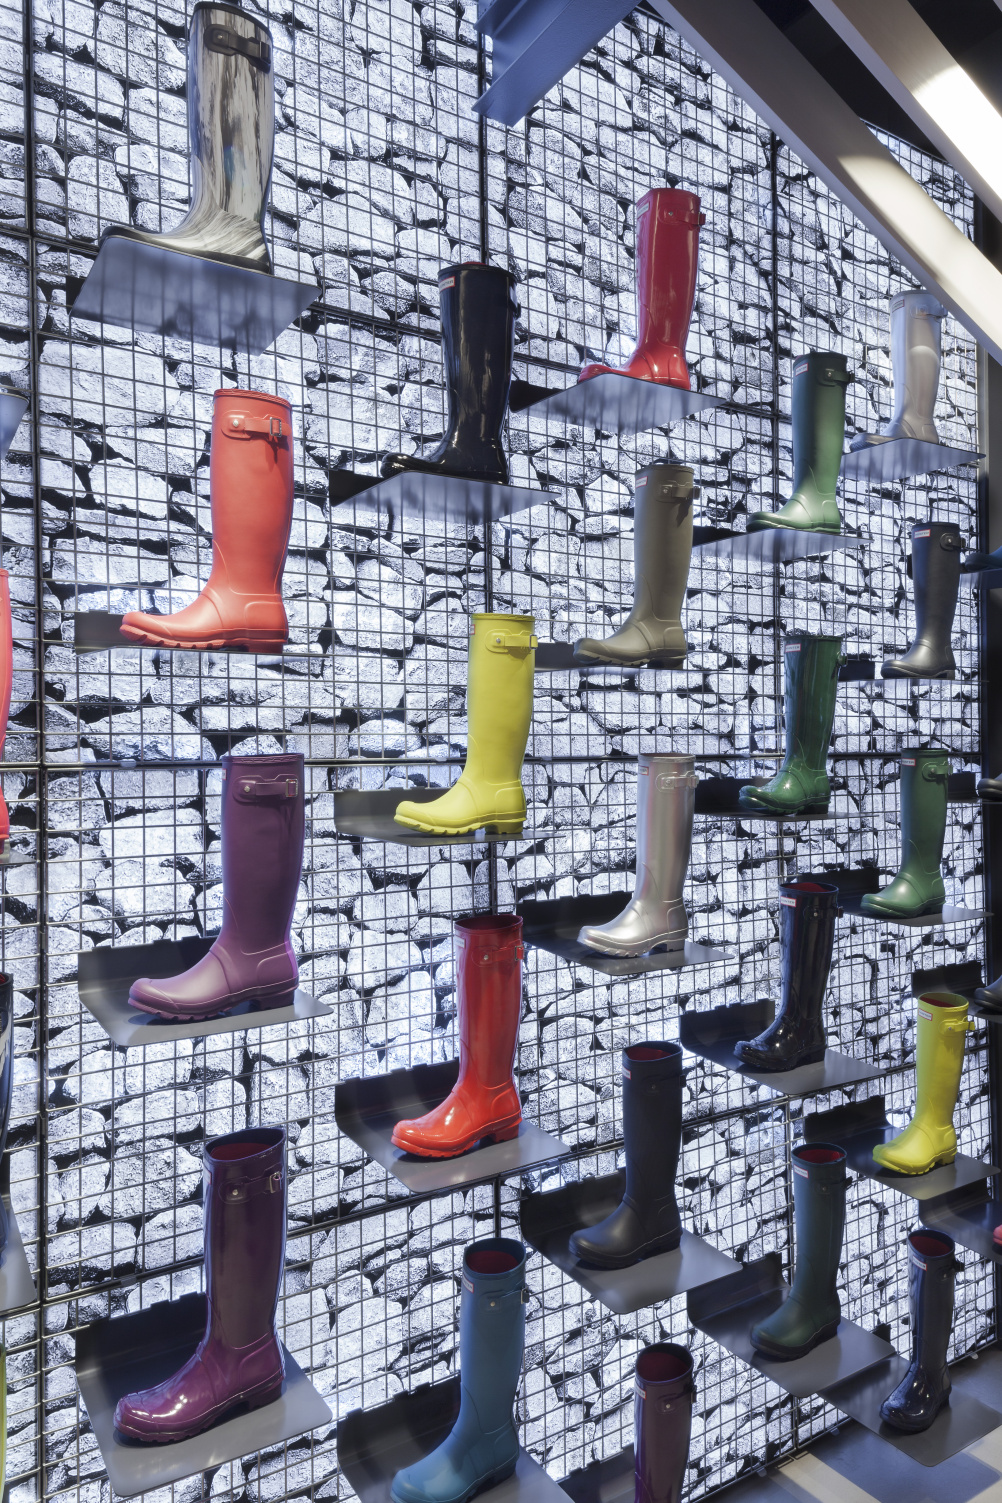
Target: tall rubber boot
x,y
936,548
484,1102
489,793
250,488
6,1086
801,785
818,400
662,550
481,1449
990,789
663,1395
668,224
238,1363
647,1219
916,356
655,916
807,913
930,1137
811,1311
925,1387
263,823
231,128
917,887
6,684
478,310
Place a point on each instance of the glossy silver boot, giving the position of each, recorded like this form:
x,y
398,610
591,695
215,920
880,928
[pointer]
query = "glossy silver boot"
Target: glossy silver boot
x,y
916,356
655,916
231,127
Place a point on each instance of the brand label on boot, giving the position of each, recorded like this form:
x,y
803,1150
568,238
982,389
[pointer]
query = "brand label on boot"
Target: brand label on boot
x,y
798,370
788,902
467,1284
793,647
923,1014
907,761
917,1260
642,208
446,282
640,1392
643,772
924,532
641,480
799,1169
626,1074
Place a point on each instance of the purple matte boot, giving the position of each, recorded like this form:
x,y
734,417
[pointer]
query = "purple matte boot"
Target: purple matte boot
x,y
238,1362
263,822
662,1421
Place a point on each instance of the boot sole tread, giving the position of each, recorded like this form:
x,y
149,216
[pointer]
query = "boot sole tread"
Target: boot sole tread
x,y
493,1135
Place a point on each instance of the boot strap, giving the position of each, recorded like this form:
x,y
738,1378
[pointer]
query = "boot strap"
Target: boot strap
x,y
676,780
511,641
222,39
485,953
240,425
952,542
250,789
243,1189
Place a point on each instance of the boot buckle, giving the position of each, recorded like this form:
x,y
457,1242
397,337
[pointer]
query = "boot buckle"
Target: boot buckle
x,y
522,641
269,427
222,39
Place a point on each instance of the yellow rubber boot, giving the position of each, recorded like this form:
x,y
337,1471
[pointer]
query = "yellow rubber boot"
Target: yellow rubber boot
x,y
489,794
930,1137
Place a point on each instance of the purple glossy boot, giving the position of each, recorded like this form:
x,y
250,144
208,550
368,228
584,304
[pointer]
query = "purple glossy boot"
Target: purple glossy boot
x,y
263,823
238,1363
662,1422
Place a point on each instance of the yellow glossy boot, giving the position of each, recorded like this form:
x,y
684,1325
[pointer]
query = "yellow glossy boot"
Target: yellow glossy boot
x,y
930,1137
489,794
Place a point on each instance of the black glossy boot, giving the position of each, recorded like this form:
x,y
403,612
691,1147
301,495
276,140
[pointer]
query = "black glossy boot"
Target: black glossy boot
x,y
990,789
936,548
807,915
925,1387
647,1220
478,310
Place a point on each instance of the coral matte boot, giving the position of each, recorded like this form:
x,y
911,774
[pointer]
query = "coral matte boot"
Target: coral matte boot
x,y
478,308
655,916
489,793
807,914
263,824
484,1102
250,488
811,1311
925,1387
647,1219
917,887
6,684
663,1396
238,1364
916,355
801,785
662,549
936,549
482,1447
930,1137
668,222
819,383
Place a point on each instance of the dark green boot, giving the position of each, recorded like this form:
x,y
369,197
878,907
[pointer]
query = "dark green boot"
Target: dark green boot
x,y
811,1311
801,785
917,888
819,383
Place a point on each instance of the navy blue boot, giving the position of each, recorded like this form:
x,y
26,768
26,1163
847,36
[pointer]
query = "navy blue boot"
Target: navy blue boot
x,y
6,1083
925,1387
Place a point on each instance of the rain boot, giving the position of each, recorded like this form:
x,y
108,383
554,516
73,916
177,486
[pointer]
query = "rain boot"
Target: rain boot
x,y
818,399
662,549
6,1089
238,1364
807,914
925,1387
489,792
990,789
478,309
930,1137
231,129
647,1219
811,1311
250,489
484,1102
663,1396
917,888
936,550
801,785
481,1449
668,223
6,684
655,917
977,560
916,345
263,823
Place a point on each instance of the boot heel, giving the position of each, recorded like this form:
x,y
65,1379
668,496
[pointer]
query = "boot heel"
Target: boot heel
x,y
502,1134
504,826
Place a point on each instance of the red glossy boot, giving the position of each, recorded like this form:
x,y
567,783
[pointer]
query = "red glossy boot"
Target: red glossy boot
x,y
484,1101
668,221
250,485
6,679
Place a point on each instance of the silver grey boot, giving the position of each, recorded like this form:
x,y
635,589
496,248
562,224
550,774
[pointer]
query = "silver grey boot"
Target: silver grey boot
x,y
916,355
655,915
231,126
662,549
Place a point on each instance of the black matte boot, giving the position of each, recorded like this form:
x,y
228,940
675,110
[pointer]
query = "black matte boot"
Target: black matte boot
x,y
990,789
478,310
936,548
807,931
6,1083
647,1220
925,1387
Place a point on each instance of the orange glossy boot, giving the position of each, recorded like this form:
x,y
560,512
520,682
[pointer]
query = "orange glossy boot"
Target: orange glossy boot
x,y
484,1101
250,487
6,678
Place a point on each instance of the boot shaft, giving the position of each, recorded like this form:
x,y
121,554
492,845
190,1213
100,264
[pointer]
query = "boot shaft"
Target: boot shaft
x,y
936,550
653,1078
916,357
807,914
663,1396
668,225
263,829
499,694
810,670
6,1054
489,954
819,1187
478,307
491,1332
666,803
250,484
6,654
942,1025
932,1271
663,501
231,111
922,812
818,401
244,1214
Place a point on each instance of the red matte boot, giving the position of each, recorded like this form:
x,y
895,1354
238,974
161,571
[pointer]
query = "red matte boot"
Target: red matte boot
x,y
668,221
250,487
484,1101
6,678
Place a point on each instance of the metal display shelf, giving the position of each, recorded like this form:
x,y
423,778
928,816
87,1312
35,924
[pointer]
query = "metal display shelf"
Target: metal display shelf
x,y
774,545
368,815
901,458
101,631
969,1216
713,1034
535,45
558,657
446,498
855,884
13,406
981,579
612,403
964,1420
719,796
611,1481
860,1125
554,926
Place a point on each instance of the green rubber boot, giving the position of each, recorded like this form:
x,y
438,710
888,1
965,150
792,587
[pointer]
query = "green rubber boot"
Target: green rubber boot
x,y
917,888
801,785
819,383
